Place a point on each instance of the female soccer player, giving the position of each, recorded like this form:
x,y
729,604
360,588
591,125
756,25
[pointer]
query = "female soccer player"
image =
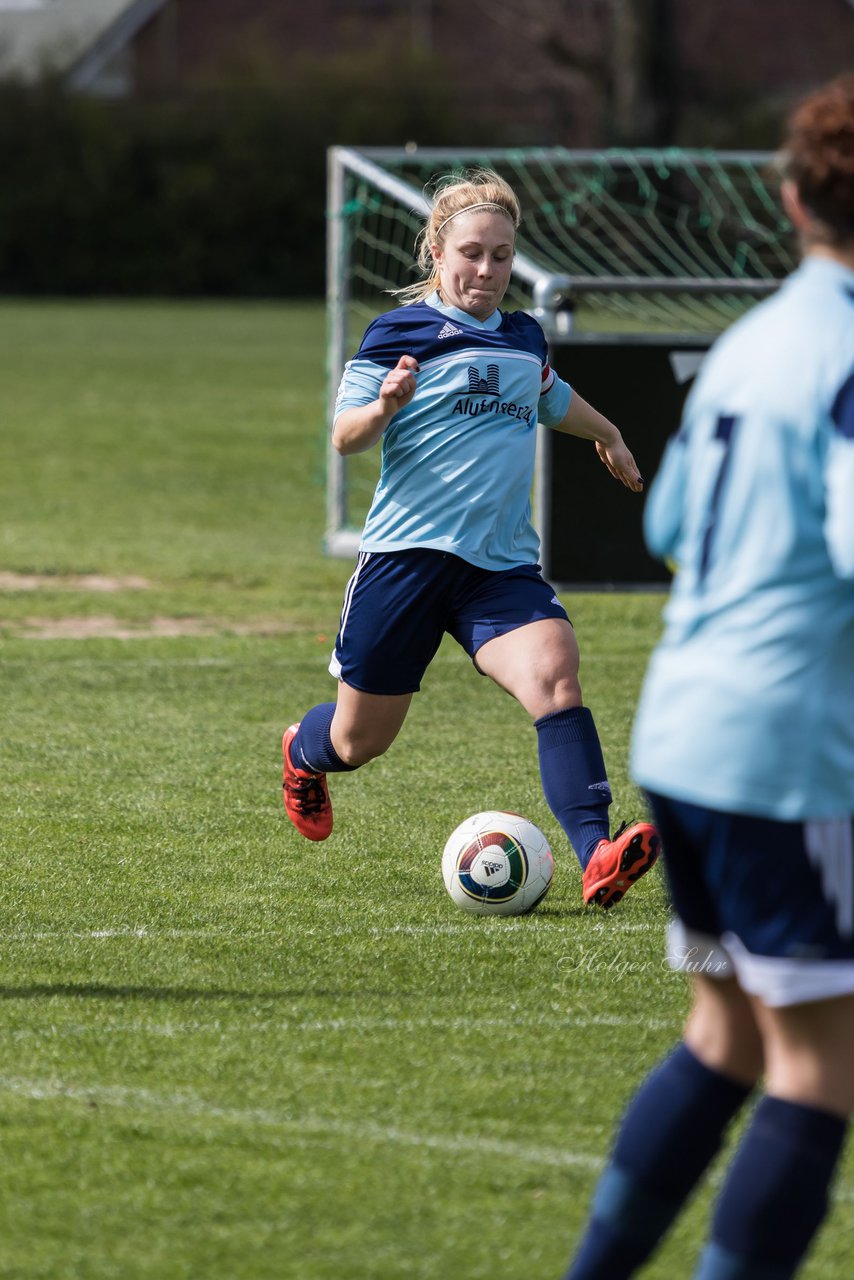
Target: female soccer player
x,y
454,388
745,743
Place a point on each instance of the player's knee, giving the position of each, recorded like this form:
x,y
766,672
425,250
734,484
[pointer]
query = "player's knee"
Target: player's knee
x,y
555,695
722,1032
729,1054
809,1050
359,747
568,692
814,1079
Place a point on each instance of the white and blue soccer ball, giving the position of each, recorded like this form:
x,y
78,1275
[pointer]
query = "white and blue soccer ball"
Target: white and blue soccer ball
x,y
497,864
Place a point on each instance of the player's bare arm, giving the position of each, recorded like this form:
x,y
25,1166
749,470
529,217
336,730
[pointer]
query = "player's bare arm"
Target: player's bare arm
x,y
587,423
360,428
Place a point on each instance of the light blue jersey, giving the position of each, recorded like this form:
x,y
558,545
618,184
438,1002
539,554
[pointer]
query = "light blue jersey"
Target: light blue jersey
x,y
748,703
458,460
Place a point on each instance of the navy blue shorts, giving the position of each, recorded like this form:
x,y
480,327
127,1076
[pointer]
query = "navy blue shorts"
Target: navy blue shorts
x,y
778,896
399,604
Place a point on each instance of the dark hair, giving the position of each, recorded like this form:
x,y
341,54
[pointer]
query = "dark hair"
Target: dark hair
x,y
818,156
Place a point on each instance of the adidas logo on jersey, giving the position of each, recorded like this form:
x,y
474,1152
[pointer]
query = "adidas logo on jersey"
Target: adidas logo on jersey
x,y
448,330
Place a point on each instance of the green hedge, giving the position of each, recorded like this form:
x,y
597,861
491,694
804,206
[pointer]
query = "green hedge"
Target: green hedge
x,y
220,193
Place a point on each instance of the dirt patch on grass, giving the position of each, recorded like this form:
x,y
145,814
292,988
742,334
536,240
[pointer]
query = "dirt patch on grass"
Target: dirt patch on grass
x,y
10,581
105,627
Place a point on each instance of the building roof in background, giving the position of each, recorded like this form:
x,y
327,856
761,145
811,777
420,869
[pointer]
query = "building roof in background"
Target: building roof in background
x,y
81,36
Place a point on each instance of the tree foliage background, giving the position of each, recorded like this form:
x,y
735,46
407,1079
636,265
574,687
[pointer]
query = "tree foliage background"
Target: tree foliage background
x,y
218,186
220,192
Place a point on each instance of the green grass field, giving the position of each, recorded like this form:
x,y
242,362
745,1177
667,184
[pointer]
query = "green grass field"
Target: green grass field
x,y
228,1053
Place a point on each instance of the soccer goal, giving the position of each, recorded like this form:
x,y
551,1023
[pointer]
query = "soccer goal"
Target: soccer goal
x,y
632,243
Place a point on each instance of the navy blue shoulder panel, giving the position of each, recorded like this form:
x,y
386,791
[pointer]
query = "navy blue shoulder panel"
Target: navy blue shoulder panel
x,y
420,330
842,409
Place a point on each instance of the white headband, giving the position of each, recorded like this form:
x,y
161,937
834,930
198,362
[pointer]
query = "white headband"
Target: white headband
x,y
487,204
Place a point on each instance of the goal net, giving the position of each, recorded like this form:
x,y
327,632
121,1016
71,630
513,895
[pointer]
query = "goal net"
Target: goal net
x,y
666,241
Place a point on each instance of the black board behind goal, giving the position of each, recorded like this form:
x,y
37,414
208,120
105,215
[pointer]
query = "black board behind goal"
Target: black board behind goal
x,y
591,526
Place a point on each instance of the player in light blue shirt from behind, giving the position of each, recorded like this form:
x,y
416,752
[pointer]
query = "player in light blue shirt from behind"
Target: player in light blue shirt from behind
x,y
748,704
744,742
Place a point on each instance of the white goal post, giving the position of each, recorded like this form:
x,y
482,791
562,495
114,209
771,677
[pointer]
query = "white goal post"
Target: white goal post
x,y
672,241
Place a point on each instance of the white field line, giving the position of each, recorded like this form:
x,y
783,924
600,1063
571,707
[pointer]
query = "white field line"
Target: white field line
x,y
325,1026
338,931
131,661
481,1024
191,1107
303,1128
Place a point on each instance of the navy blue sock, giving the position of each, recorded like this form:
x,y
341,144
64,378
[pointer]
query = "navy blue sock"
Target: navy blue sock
x,y
775,1194
575,783
312,748
671,1131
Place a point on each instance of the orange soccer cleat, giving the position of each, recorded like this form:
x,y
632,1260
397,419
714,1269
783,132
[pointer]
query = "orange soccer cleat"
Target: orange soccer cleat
x,y
306,796
619,863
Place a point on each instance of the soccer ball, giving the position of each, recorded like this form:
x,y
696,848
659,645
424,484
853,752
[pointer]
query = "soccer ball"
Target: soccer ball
x,y
497,864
